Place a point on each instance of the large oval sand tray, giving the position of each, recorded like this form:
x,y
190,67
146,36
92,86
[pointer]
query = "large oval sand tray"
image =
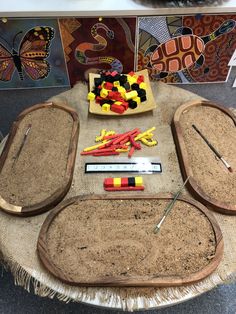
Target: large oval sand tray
x,y
111,242
36,166
210,180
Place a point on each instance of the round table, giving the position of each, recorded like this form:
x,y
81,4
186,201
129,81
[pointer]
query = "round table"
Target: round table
x,y
18,237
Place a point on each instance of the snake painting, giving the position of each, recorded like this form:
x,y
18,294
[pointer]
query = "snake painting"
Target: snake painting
x,y
82,48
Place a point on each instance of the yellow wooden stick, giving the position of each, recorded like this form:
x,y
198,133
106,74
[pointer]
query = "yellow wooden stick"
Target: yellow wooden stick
x,y
144,133
122,150
88,149
111,132
149,136
141,135
148,143
100,137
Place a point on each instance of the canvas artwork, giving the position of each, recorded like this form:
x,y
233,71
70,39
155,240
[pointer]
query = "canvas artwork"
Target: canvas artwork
x,y
31,54
232,61
187,49
92,45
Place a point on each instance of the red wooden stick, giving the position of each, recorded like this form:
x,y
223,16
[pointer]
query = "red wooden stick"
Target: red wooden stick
x,y
131,151
133,143
110,137
124,135
125,188
103,150
106,153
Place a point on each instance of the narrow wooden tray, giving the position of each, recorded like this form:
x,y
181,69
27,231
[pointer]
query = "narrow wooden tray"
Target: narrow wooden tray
x,y
14,172
219,204
52,236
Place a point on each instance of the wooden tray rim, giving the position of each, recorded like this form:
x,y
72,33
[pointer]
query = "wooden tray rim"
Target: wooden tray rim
x,y
135,281
185,166
59,194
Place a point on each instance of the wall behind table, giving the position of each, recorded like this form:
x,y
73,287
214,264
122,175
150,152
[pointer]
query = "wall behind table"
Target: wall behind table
x,y
175,49
82,45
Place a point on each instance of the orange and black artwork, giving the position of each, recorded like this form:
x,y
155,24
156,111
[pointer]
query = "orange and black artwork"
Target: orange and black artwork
x,y
92,45
187,49
31,54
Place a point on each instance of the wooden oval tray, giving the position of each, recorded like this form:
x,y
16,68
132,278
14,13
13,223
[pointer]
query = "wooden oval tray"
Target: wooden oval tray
x,y
210,181
110,241
37,162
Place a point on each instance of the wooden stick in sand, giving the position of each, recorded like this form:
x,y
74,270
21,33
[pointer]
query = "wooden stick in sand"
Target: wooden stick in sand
x,y
22,144
213,149
169,207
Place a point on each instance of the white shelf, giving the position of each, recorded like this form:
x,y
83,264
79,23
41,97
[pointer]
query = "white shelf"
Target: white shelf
x,y
83,8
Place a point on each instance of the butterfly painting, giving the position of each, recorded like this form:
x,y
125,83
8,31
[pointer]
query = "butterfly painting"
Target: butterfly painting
x,y
30,58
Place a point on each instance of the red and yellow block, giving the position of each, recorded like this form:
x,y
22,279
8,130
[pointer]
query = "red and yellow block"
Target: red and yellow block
x,y
123,184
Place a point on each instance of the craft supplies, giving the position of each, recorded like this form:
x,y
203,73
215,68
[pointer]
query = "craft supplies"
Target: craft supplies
x,y
114,144
117,92
143,102
123,184
169,207
213,149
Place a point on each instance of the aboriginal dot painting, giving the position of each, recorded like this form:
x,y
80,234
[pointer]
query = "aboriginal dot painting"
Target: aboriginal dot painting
x,y
92,45
31,54
186,49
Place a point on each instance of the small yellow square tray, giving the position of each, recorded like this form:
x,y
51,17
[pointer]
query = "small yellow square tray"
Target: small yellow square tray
x,y
147,105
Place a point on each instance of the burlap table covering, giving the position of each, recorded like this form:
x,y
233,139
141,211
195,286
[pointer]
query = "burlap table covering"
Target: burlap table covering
x,y
18,236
